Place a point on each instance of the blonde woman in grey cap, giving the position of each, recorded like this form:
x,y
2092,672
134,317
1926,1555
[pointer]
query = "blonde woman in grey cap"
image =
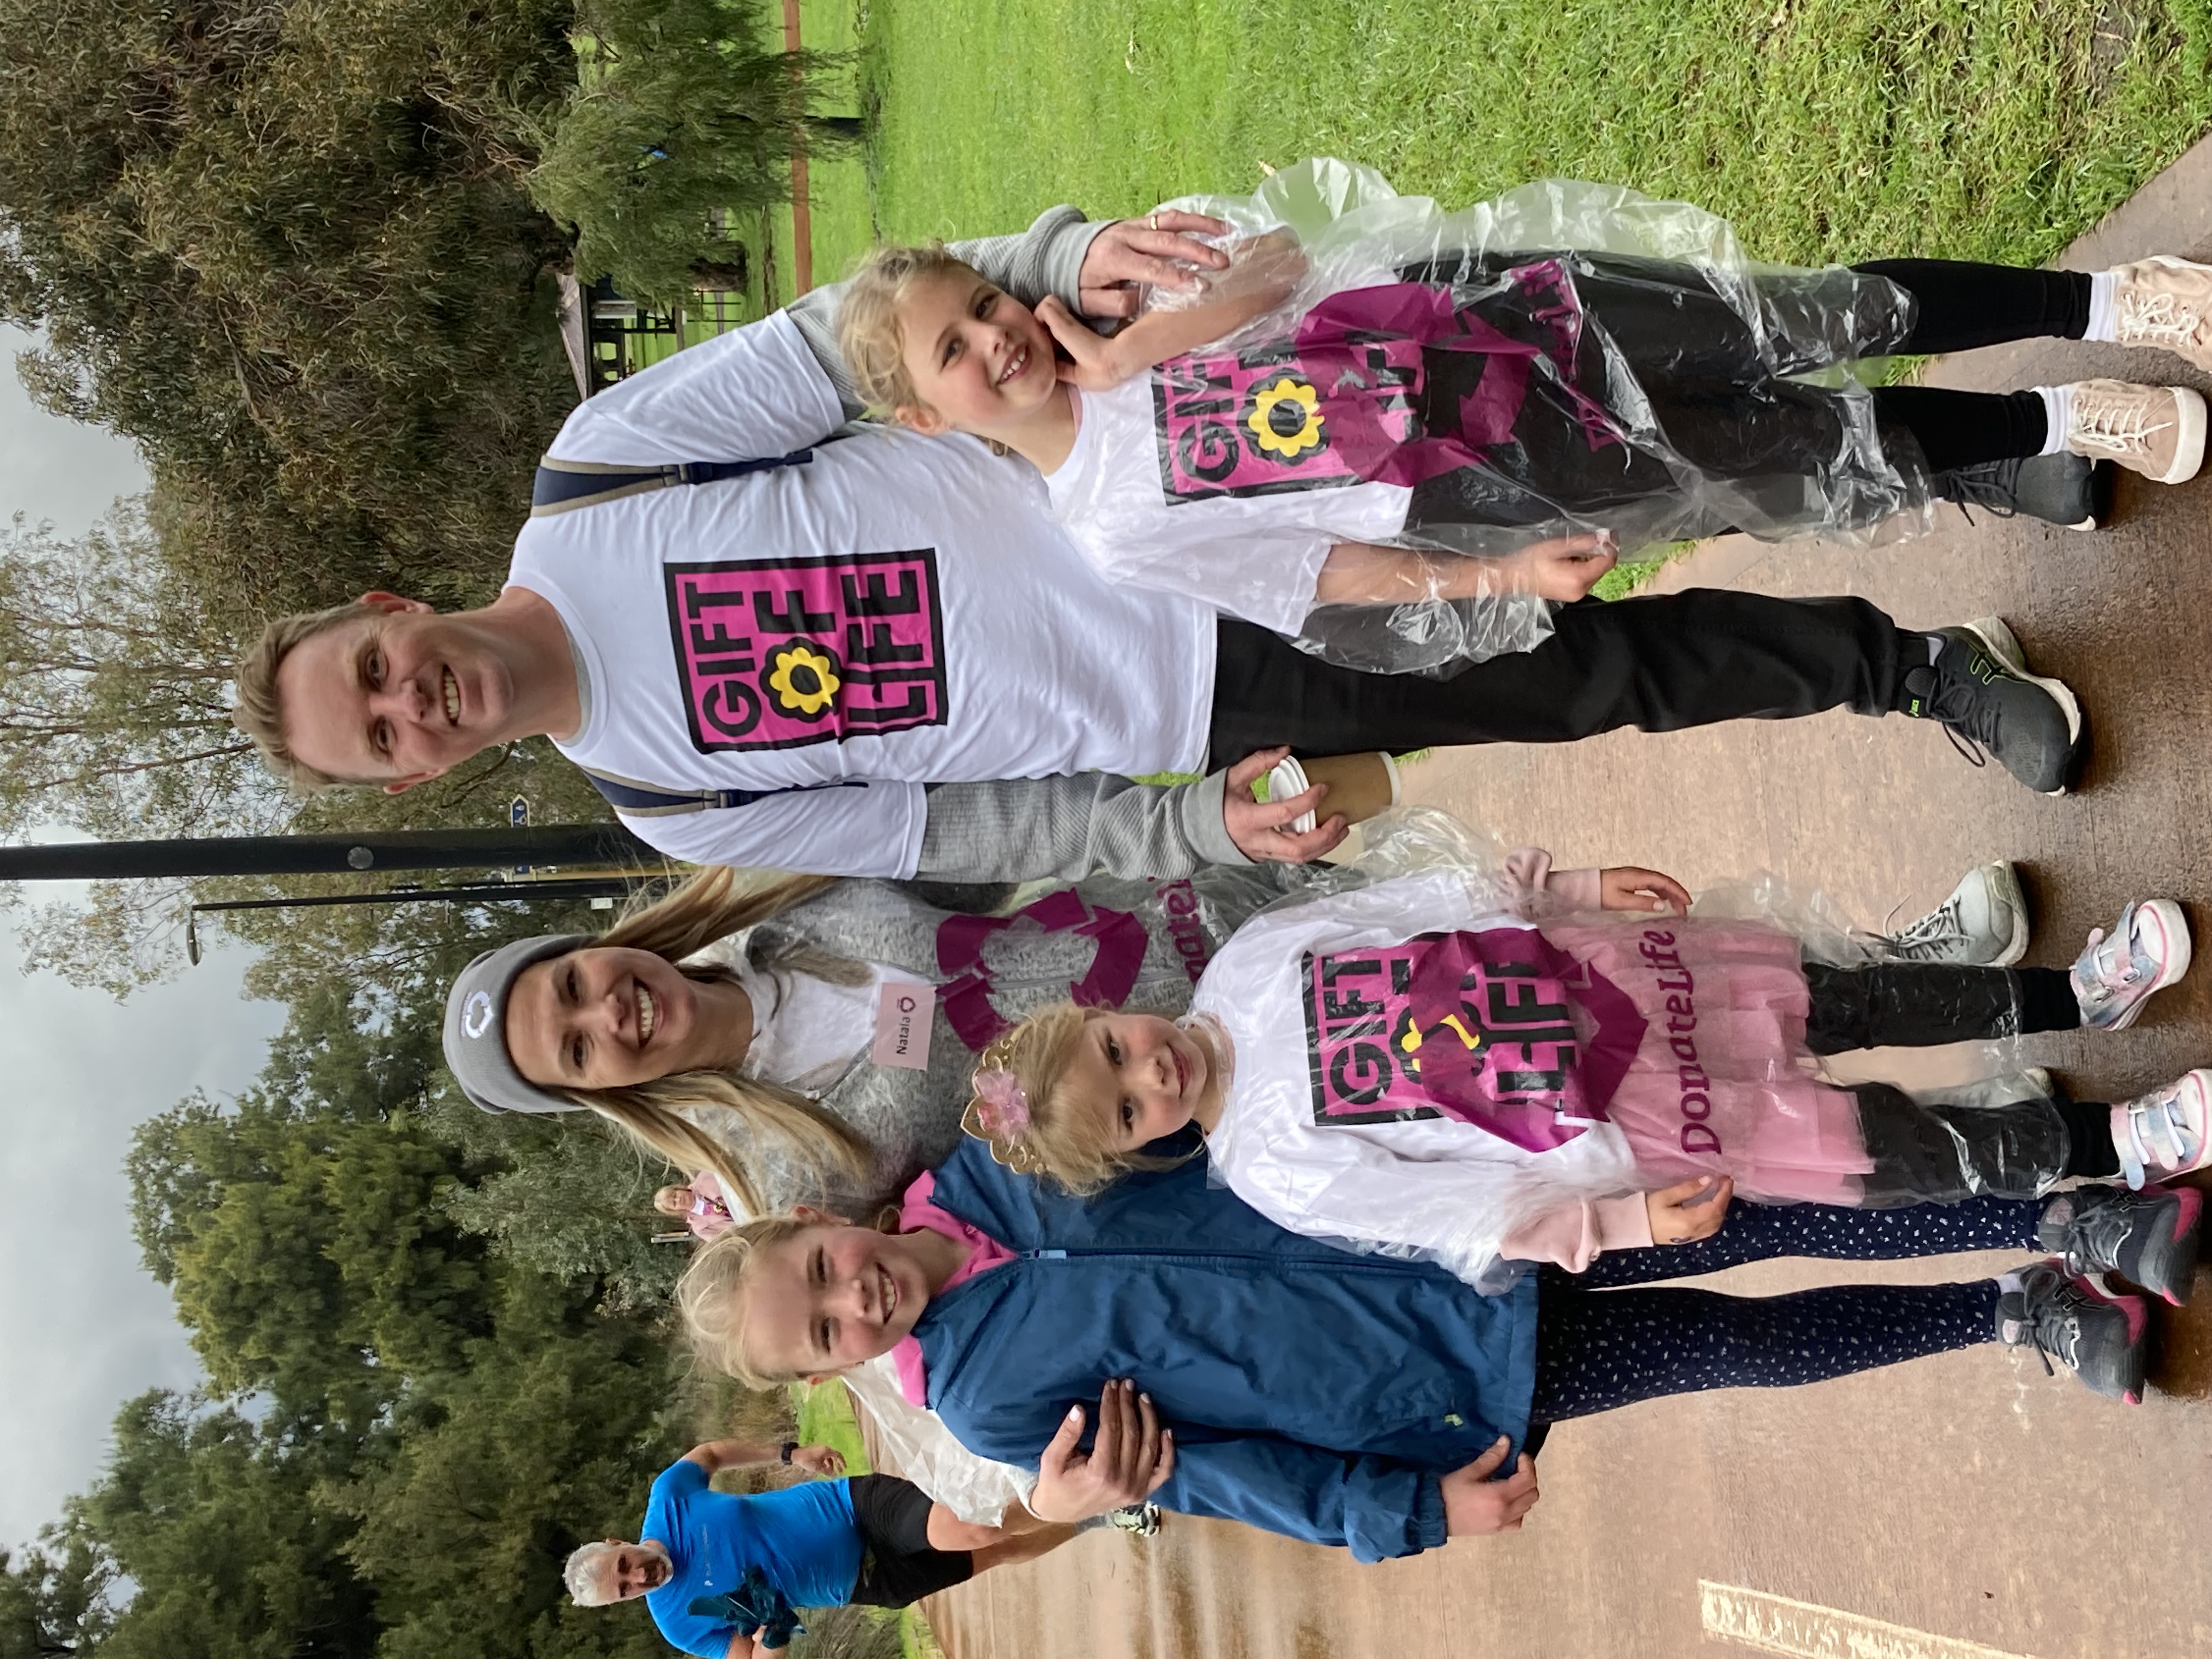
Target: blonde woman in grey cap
x,y
811,1040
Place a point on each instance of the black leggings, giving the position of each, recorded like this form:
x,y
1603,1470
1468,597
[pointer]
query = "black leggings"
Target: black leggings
x,y
1600,1346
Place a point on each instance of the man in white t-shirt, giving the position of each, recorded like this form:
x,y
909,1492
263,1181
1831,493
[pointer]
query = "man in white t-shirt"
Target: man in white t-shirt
x,y
773,643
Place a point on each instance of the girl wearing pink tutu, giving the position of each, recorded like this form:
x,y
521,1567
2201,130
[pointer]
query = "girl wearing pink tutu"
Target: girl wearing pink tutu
x,y
1492,1062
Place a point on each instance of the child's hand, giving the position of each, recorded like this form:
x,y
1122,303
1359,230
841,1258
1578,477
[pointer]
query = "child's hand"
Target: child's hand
x,y
1566,568
1130,1459
1676,1220
1626,887
1473,1503
818,1460
1094,365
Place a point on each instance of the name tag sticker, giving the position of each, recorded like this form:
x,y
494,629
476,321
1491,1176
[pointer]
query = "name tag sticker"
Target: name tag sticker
x,y
902,1018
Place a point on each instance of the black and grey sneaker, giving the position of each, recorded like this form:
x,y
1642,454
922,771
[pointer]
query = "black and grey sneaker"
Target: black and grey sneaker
x,y
2147,1237
1983,924
2103,1340
2063,488
1980,687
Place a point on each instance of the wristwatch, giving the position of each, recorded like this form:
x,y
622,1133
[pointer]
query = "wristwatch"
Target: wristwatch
x,y
789,1446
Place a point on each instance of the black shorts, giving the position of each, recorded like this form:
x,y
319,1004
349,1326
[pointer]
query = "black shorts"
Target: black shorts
x,y
898,1565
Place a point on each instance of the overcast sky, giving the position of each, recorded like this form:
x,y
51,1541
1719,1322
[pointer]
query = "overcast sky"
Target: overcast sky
x,y
82,1326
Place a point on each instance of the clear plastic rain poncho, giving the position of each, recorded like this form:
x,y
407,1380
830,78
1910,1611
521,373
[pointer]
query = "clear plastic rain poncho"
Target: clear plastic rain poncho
x,y
1430,1056
1569,361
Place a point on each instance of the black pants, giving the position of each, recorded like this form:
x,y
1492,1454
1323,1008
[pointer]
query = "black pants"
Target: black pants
x,y
1924,1149
900,1565
1718,399
1659,664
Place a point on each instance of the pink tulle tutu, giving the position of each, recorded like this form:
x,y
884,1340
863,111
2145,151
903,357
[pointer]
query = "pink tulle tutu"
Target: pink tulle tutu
x,y
1723,1084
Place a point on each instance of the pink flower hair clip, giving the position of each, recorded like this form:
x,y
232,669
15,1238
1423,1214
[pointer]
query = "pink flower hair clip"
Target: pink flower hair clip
x,y
998,1116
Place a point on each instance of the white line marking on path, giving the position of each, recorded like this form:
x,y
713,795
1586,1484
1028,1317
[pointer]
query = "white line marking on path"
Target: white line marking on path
x,y
1804,1630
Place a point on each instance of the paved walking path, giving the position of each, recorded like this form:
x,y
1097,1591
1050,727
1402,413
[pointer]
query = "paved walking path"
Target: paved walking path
x,y
1967,1500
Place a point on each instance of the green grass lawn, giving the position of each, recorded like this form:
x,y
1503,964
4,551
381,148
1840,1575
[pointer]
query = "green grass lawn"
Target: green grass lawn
x,y
1826,128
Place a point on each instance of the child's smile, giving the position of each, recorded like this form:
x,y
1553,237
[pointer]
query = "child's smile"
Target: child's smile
x,y
977,357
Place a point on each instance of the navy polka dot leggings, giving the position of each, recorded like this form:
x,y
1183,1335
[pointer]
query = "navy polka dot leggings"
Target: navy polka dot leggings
x,y
1600,1346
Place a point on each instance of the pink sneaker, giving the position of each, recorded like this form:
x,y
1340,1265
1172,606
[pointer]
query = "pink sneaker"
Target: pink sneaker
x,y
2147,950
2164,1133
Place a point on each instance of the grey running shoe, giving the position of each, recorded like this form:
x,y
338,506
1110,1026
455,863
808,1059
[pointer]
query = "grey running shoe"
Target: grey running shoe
x,y
1980,687
2147,1237
1983,924
2064,488
1137,1520
2103,1340
2166,1133
2147,950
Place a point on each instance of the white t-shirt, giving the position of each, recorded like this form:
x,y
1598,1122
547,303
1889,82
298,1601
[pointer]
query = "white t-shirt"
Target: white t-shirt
x,y
1287,1146
1250,550
901,611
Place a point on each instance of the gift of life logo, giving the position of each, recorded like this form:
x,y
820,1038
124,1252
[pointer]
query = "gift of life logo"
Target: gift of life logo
x,y
778,654
1258,422
1481,1027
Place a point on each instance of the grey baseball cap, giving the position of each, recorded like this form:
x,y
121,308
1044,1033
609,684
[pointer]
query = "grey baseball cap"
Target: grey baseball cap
x,y
475,1026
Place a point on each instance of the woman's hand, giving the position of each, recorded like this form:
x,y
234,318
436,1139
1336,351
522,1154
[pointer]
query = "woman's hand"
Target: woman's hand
x,y
1156,250
1626,887
1675,1220
1258,828
1130,1459
1566,568
818,1460
1473,1503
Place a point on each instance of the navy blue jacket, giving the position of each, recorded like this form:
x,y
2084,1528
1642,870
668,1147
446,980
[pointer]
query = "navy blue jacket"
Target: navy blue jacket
x,y
1312,1392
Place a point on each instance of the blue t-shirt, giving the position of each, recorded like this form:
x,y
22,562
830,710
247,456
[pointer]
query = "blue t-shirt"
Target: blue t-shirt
x,y
802,1539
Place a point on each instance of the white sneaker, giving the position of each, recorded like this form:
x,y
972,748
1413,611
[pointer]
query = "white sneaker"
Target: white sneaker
x,y
1983,924
2165,302
2147,950
2163,1134
2156,430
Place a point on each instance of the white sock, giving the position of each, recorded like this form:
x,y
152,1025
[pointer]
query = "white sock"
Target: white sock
x,y
2103,324
2058,411
2008,1283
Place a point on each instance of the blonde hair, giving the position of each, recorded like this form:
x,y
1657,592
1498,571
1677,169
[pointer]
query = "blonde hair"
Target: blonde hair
x,y
258,714
711,1296
868,331
656,1114
586,1574
1068,1137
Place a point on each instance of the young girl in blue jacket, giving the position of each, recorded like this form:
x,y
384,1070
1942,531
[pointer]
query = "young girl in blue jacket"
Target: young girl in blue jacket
x,y
1357,1401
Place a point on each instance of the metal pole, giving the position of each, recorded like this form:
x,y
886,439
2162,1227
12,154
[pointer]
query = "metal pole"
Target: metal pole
x,y
492,893
293,855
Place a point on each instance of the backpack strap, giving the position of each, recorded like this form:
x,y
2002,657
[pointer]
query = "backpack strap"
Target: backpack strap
x,y
564,486
646,800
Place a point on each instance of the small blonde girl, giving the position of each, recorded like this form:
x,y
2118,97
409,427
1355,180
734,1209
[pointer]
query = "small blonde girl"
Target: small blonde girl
x,y
1413,1065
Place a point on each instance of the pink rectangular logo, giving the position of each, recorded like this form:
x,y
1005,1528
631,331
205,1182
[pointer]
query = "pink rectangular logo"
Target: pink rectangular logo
x,y
777,654
1259,421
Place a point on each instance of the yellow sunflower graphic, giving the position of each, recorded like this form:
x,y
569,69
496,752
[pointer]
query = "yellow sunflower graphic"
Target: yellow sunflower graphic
x,y
803,680
1409,1036
1286,418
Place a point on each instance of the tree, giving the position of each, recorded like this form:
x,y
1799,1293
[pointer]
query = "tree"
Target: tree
x,y
284,245
681,119
53,1597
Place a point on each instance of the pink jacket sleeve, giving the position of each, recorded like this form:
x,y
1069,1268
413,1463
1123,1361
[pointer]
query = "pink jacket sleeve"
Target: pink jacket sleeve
x,y
1532,867
1576,1235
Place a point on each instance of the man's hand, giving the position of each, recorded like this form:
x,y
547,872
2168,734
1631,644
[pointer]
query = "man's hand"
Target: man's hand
x,y
1566,568
1628,887
1259,828
1156,251
1130,1459
1676,1220
818,1460
1473,1503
